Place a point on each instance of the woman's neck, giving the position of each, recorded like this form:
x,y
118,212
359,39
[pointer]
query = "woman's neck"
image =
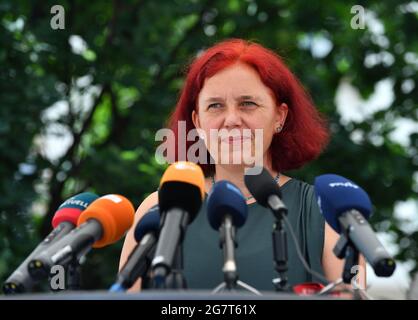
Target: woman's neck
x,y
235,174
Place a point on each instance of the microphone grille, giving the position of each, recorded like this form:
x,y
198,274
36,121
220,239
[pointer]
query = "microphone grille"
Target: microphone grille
x,y
71,209
261,185
150,222
226,198
116,215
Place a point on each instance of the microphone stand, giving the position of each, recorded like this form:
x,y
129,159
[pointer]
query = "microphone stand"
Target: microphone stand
x,y
280,255
73,275
176,279
346,249
279,243
228,244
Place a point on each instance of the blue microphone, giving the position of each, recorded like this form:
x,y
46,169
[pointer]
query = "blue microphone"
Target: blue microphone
x,y
150,223
346,207
227,210
226,199
139,261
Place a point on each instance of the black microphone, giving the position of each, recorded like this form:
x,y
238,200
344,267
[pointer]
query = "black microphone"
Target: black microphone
x,y
346,208
138,262
180,197
265,190
64,220
226,211
104,222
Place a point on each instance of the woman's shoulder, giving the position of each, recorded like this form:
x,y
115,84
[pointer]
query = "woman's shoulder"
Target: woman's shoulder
x,y
151,198
300,191
295,184
150,201
300,198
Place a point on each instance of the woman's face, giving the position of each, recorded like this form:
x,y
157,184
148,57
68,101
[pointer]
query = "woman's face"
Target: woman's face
x,y
235,102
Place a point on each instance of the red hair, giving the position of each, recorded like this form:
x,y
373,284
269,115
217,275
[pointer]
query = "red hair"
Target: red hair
x,y
305,133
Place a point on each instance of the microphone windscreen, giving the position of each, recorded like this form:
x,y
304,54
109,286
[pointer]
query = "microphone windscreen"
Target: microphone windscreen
x,y
336,195
261,185
116,215
226,198
150,222
182,186
70,209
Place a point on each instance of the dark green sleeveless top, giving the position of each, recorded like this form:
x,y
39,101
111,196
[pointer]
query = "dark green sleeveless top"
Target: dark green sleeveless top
x,y
203,258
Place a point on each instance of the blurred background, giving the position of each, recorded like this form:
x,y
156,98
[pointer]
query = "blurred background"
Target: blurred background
x,y
79,106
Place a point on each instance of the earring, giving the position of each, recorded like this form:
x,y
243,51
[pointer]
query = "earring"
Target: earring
x,y
279,128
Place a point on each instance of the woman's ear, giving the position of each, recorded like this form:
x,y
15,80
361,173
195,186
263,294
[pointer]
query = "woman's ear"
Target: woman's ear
x,y
195,119
281,115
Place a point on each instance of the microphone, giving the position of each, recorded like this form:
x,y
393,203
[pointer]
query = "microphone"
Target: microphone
x,y
182,189
64,220
227,210
265,190
346,208
104,222
138,262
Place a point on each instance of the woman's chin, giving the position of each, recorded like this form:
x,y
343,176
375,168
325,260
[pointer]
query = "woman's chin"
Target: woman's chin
x,y
235,157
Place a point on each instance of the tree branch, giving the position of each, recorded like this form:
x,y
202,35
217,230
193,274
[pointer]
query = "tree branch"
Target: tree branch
x,y
159,75
121,123
57,186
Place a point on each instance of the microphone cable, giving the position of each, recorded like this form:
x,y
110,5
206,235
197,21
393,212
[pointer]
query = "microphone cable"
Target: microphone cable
x,y
329,285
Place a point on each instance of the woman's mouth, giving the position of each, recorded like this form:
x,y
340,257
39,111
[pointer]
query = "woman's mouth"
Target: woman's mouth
x,y
235,140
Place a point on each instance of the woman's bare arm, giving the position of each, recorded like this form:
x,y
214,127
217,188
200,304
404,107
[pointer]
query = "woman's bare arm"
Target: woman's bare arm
x,y
130,242
333,267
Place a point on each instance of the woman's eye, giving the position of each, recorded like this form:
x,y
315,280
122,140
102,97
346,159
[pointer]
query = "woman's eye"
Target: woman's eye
x,y
214,106
248,103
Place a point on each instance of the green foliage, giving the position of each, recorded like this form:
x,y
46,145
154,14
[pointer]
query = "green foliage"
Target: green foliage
x,y
133,62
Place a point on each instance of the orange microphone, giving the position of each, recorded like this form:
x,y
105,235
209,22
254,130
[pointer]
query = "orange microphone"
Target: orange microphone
x,y
104,222
180,196
114,213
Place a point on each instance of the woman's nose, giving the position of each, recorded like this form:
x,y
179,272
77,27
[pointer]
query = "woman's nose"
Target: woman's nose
x,y
232,118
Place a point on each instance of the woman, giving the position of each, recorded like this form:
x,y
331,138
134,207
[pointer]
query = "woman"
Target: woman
x,y
236,87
